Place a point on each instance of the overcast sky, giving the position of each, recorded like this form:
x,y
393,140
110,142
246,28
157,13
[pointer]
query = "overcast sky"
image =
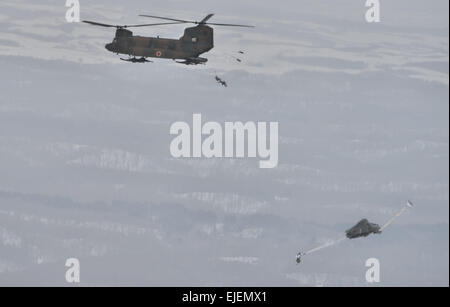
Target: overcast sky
x,y
86,172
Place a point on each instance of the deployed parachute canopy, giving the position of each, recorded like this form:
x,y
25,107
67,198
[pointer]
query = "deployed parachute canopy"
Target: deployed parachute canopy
x,y
362,229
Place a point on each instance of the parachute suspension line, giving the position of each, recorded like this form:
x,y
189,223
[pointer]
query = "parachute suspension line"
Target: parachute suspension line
x,y
408,205
328,244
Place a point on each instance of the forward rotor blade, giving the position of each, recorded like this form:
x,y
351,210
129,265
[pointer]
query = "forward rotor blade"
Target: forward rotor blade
x,y
166,18
128,26
99,24
228,25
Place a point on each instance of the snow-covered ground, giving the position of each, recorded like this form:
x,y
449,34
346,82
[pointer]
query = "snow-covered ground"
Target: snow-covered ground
x,y
86,172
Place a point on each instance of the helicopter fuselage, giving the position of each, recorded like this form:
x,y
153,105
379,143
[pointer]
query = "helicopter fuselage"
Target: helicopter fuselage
x,y
195,41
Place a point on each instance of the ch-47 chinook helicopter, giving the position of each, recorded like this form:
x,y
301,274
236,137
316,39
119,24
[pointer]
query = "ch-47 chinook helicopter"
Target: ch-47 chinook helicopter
x,y
186,50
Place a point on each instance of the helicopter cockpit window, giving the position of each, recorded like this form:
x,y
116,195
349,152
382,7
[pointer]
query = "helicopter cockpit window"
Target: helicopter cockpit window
x,y
194,39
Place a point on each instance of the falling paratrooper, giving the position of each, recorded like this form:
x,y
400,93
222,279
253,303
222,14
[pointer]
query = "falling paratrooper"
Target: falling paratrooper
x,y
221,82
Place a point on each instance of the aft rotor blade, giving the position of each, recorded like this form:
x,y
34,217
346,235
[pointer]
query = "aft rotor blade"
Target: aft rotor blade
x,y
208,17
166,18
203,22
152,24
228,25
